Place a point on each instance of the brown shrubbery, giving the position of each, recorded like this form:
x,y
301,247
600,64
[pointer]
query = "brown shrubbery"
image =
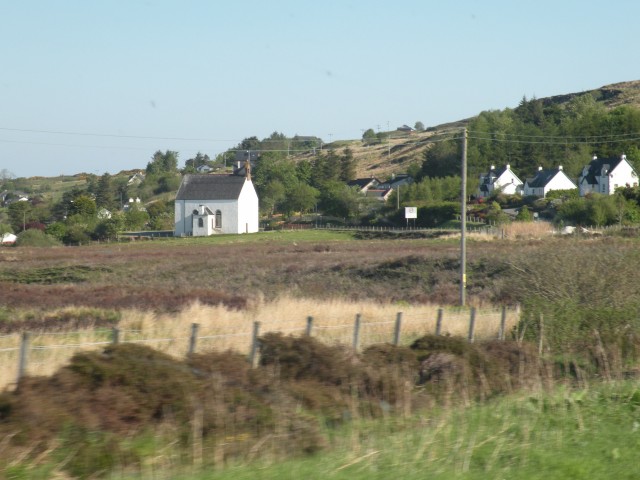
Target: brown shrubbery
x,y
216,400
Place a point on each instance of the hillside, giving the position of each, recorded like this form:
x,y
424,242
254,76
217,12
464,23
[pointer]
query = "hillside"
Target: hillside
x,y
402,149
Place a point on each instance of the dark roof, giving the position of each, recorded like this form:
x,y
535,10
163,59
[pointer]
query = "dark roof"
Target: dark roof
x,y
542,178
361,182
210,187
596,165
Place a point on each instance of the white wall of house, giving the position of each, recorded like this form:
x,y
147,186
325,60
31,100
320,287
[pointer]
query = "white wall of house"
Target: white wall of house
x,y
559,182
507,183
622,175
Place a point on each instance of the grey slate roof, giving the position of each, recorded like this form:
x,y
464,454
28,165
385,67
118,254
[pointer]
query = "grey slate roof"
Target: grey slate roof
x,y
595,168
542,178
210,187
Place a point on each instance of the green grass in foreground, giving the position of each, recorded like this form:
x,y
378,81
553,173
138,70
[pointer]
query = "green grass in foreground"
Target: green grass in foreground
x,y
592,434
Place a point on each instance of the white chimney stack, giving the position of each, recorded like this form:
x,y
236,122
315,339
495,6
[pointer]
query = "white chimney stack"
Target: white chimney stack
x,y
560,167
540,168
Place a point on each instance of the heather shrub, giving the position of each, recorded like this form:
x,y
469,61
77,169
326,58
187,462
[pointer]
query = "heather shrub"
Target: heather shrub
x,y
36,238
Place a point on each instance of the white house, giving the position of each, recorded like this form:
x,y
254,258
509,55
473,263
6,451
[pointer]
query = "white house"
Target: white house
x,y
8,239
503,180
547,180
213,204
604,175
364,184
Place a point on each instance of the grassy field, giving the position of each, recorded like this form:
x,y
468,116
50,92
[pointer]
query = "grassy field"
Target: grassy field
x,y
565,434
70,298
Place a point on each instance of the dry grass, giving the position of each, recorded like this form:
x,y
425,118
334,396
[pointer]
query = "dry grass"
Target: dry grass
x,y
221,328
528,230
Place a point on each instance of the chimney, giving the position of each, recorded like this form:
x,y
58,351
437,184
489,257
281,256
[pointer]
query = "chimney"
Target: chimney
x,y
623,157
508,167
493,167
560,167
540,168
595,157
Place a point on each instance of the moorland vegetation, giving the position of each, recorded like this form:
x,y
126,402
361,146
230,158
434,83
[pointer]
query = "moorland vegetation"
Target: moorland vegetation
x,y
473,409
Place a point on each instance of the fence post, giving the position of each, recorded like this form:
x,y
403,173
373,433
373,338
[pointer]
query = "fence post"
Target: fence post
x,y
472,324
541,340
503,323
439,322
309,326
253,354
396,332
115,335
24,354
194,338
356,332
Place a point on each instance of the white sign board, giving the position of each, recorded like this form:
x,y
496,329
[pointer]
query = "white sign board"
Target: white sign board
x,y
410,212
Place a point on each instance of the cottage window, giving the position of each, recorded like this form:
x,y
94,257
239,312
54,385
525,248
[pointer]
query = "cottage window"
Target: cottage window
x,y
218,219
200,223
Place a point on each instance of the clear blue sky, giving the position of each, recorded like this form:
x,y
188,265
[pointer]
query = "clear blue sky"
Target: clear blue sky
x,y
214,72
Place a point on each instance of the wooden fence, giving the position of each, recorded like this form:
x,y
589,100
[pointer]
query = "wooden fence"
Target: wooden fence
x,y
390,331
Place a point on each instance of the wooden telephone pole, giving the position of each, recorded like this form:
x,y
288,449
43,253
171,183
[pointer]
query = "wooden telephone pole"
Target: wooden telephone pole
x,y
463,223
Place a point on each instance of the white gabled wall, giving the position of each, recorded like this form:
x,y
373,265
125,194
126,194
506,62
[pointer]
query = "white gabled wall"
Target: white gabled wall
x,y
560,181
248,209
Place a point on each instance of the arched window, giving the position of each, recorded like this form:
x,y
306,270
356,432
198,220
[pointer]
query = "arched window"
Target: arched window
x,y
200,222
218,219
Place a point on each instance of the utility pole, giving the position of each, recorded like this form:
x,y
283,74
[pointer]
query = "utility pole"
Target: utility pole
x,y
463,222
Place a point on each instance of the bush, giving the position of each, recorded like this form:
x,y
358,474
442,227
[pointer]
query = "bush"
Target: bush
x,y
36,238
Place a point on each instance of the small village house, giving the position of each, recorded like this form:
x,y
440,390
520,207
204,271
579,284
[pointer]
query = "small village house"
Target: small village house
x,y
547,180
215,204
364,184
501,180
604,175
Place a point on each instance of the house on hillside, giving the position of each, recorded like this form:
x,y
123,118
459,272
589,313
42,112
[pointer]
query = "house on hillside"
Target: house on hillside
x,y
501,180
604,175
136,179
214,204
405,128
381,194
547,180
364,184
397,181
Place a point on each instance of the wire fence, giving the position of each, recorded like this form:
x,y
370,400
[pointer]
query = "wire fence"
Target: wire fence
x,y
42,353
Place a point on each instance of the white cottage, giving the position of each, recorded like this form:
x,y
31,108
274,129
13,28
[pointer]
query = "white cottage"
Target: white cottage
x,y
213,204
547,180
503,180
604,175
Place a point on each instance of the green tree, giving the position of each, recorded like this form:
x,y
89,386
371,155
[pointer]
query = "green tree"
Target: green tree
x,y
442,159
419,126
273,193
20,213
339,200
524,215
105,193
347,165
135,218
369,137
300,197
83,205
166,162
